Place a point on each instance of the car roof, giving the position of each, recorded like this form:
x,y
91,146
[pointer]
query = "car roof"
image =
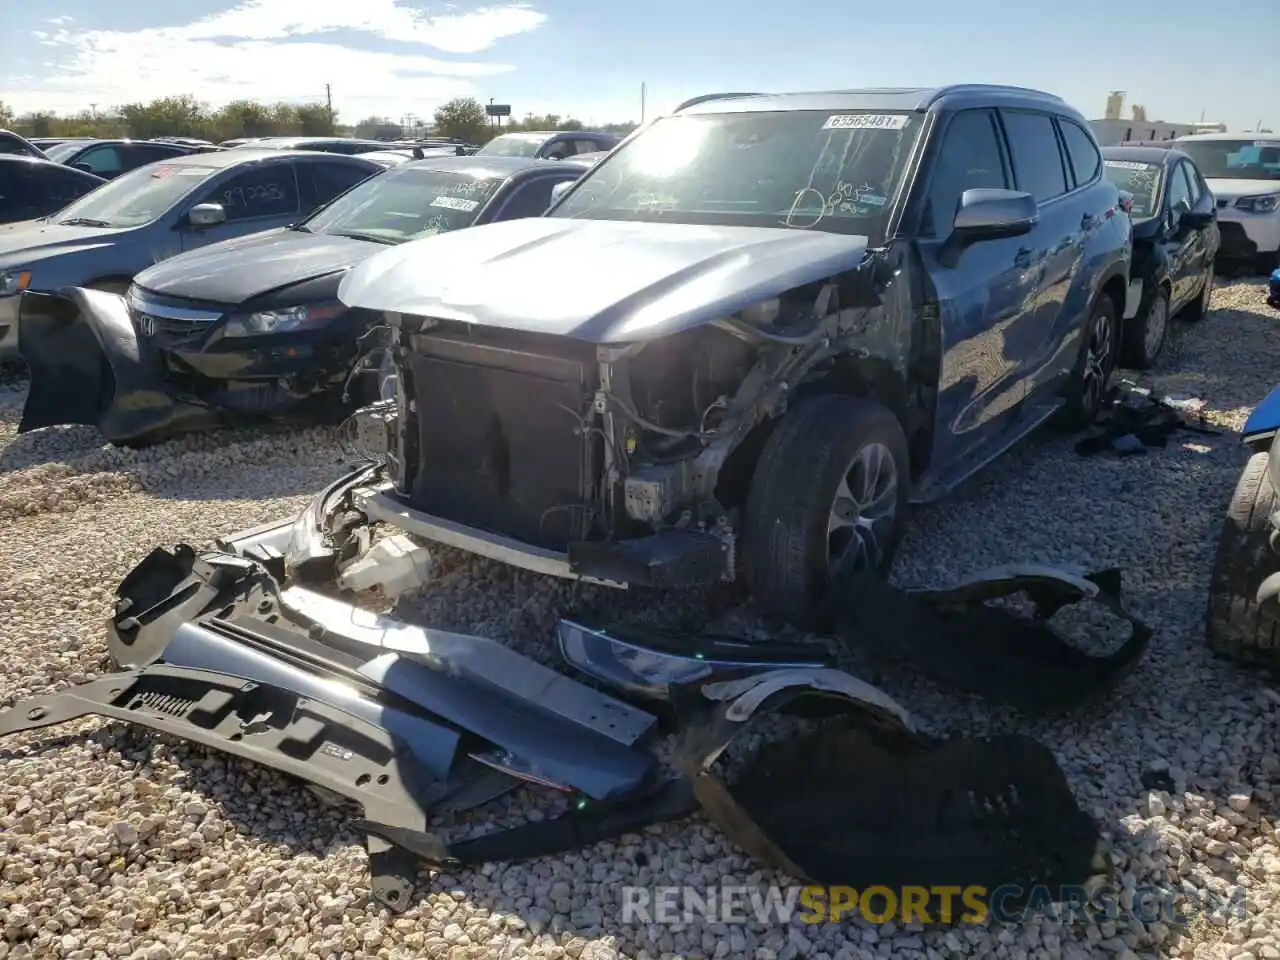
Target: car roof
x,y
1157,155
1210,137
954,96
42,162
228,158
483,165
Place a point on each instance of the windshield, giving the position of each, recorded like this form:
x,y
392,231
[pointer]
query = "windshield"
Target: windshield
x,y
805,169
1140,179
136,197
513,145
406,204
60,151
1234,159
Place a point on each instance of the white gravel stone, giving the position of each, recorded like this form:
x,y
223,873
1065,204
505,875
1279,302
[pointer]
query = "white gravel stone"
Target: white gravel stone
x,y
121,844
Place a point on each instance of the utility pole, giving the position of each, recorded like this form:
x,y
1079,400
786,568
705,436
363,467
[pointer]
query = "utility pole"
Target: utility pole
x,y
93,110
328,102
642,93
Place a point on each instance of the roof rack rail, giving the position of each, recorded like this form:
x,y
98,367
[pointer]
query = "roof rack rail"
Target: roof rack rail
x,y
713,96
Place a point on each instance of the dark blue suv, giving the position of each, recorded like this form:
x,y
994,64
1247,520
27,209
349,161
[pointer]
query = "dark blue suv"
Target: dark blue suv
x,y
755,330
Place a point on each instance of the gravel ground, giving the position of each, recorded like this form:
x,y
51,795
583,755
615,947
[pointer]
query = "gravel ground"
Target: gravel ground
x,y
118,843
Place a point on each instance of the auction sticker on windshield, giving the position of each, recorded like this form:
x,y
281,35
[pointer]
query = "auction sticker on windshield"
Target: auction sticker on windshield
x,y
866,121
1129,165
455,203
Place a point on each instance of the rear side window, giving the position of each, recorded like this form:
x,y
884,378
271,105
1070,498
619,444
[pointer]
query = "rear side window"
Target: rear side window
x,y
969,158
321,182
266,190
1085,160
1193,183
144,153
1037,161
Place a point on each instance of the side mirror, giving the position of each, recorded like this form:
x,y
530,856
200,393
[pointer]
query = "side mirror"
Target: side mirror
x,y
989,214
558,191
1199,219
206,215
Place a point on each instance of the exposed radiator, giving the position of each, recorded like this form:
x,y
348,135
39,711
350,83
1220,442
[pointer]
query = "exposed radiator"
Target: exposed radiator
x,y
499,444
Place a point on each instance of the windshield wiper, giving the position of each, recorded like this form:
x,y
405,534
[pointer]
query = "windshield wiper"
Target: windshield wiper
x,y
357,235
83,222
301,228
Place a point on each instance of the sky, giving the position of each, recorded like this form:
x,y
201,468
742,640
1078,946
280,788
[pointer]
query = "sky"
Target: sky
x,y
394,58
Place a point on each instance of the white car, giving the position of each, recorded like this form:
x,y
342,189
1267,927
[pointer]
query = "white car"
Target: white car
x,y
1243,171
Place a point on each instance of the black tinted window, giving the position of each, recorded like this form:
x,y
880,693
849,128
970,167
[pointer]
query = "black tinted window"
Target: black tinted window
x,y
1085,159
11,144
321,182
1179,189
529,200
262,191
1193,182
1037,161
104,161
141,153
970,158
12,193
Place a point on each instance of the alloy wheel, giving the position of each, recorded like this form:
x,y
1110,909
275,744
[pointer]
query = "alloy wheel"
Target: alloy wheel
x,y
1097,360
863,511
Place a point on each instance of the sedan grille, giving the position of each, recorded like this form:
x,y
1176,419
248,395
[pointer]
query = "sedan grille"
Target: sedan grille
x,y
161,321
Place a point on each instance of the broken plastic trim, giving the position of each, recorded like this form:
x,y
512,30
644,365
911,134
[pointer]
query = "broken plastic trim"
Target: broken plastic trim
x,y
294,735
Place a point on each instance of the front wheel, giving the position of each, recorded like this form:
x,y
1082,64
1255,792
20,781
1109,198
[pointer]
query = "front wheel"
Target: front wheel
x,y
1237,626
1097,362
829,494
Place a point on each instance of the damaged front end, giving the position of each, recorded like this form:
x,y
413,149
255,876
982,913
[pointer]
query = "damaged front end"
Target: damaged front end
x,y
100,359
618,463
404,722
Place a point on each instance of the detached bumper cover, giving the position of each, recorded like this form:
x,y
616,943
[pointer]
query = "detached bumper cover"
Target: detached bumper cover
x,y
87,367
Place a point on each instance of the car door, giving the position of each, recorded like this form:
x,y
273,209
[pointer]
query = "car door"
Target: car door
x,y
258,196
1177,239
1197,250
1040,168
981,297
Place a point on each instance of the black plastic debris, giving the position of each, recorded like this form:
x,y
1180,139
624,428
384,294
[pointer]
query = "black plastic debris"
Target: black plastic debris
x,y
962,813
1133,420
955,638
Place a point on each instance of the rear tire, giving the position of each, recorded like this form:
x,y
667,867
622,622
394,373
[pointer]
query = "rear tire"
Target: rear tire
x,y
830,486
1236,626
1091,378
1145,334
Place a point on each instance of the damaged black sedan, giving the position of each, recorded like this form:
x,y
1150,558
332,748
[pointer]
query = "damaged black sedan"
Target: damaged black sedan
x,y
756,330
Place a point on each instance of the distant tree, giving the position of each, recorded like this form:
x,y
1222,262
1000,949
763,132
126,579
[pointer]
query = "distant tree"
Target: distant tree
x,y
464,118
376,128
314,120
6,115
242,118
38,124
167,117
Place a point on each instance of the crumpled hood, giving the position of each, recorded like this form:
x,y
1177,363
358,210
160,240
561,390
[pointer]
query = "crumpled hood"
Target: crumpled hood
x,y
602,281
1235,189
239,269
28,241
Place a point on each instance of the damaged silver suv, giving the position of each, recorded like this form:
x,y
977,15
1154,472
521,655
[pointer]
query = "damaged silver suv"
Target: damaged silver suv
x,y
749,337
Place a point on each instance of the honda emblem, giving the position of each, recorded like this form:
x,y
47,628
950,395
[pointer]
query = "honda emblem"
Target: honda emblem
x,y
147,324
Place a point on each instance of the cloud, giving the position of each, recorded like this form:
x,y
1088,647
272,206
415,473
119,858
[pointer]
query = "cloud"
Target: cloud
x,y
277,50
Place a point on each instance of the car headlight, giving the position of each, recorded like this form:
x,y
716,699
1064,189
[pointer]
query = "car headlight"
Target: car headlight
x,y
13,282
1265,204
283,320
